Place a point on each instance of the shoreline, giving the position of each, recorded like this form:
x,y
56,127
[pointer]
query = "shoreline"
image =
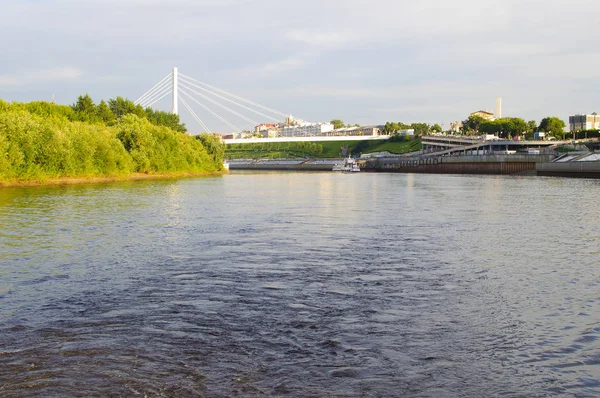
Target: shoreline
x,y
103,179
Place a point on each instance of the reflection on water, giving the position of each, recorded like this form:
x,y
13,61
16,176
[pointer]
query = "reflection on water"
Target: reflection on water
x,y
302,284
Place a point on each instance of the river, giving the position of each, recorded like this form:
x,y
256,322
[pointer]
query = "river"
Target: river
x,y
302,285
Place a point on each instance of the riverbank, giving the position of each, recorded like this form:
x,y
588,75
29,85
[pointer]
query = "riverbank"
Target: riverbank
x,y
103,179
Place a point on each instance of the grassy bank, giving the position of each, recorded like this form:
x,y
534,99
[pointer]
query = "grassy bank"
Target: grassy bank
x,y
320,149
50,148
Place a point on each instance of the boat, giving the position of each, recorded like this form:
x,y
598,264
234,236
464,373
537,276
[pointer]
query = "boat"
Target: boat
x,y
225,165
349,166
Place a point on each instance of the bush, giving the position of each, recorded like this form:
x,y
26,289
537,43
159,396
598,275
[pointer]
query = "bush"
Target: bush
x,y
34,147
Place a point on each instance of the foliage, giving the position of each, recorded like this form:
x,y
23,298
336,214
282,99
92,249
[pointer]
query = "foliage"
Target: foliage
x,y
553,125
36,148
161,118
39,141
392,128
85,109
337,124
436,128
472,124
214,147
40,108
160,149
507,127
420,128
399,138
104,113
121,107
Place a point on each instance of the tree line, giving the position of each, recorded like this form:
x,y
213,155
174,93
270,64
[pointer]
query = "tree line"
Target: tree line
x,y
85,110
339,124
392,128
41,140
510,127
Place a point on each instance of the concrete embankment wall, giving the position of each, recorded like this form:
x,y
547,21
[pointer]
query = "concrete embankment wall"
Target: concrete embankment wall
x,y
279,166
488,164
569,169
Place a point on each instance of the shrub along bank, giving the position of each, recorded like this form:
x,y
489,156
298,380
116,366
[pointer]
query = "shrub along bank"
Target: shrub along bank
x,y
38,146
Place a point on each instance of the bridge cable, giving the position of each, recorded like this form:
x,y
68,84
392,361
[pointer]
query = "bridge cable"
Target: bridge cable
x,y
153,94
236,129
236,96
204,126
158,91
137,101
230,100
157,97
254,122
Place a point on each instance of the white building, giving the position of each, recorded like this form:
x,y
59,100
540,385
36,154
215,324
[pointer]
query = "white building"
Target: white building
x,y
307,130
455,126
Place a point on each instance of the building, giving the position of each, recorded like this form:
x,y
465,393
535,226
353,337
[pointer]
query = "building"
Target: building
x,y
584,122
455,126
264,126
370,130
356,131
307,130
484,114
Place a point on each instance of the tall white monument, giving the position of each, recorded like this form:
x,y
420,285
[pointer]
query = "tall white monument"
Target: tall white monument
x,y
498,108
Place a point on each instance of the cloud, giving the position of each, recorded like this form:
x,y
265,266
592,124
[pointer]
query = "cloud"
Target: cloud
x,y
320,39
31,77
322,59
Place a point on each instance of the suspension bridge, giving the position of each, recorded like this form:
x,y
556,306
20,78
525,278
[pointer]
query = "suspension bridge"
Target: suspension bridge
x,y
184,88
239,114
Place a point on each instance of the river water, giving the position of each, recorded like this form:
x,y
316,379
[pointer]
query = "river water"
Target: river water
x,y
302,285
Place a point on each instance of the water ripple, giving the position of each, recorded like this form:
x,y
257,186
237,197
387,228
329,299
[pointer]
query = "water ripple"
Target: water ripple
x,y
313,285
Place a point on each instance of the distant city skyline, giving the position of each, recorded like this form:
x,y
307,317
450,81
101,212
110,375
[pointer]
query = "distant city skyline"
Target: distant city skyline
x,y
361,62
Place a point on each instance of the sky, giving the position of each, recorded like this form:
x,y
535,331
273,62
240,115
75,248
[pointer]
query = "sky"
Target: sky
x,y
360,61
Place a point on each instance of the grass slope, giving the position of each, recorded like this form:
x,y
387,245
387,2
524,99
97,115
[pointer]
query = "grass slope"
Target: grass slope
x,y
326,149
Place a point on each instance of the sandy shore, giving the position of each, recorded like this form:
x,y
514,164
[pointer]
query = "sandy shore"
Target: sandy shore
x,y
95,180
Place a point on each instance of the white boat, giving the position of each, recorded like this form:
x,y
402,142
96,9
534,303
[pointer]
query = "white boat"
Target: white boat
x,y
349,166
225,165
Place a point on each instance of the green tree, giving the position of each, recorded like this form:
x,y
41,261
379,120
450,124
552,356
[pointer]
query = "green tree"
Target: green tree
x,y
436,128
84,105
515,127
472,124
337,124
387,128
104,113
161,118
553,125
420,128
214,147
121,107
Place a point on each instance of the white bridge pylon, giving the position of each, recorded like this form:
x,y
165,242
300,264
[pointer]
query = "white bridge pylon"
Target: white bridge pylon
x,y
184,88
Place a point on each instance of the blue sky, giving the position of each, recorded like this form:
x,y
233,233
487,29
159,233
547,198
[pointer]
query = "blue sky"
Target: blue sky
x,y
364,62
